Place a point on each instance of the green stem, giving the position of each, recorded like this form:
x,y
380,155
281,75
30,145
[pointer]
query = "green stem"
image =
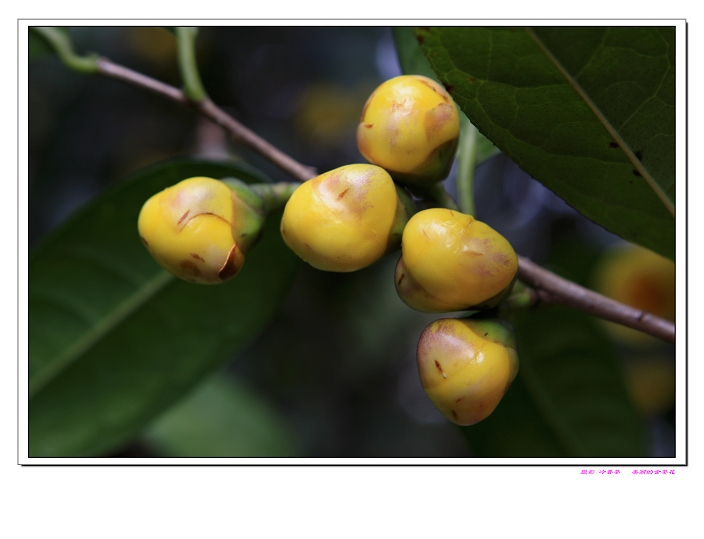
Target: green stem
x,y
274,195
193,87
467,159
436,196
522,297
61,43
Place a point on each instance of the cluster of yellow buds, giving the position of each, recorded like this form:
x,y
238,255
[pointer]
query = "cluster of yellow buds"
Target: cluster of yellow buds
x,y
350,217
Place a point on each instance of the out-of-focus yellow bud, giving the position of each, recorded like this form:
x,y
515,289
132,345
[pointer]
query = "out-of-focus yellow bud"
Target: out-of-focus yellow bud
x,y
639,278
452,262
345,219
201,229
466,366
154,43
410,126
650,380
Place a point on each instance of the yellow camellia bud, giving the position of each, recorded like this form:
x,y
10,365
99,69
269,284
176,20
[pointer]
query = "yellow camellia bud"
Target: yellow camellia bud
x,y
639,278
650,380
200,229
466,366
410,126
345,219
452,262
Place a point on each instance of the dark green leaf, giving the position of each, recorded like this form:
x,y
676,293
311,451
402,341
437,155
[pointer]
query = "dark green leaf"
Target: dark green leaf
x,y
223,417
113,338
587,111
413,61
516,429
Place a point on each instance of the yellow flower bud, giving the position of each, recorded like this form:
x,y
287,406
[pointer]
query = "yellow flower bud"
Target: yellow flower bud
x,y
199,229
466,366
410,126
650,380
452,262
639,278
345,219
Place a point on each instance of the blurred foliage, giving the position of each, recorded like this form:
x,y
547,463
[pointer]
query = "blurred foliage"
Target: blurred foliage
x,y
222,418
333,374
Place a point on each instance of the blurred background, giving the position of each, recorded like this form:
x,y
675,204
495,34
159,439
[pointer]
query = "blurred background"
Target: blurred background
x,y
335,374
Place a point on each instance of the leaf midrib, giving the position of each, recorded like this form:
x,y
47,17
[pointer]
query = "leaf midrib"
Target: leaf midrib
x,y
607,125
102,328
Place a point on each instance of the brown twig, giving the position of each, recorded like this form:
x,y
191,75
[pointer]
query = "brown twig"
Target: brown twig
x,y
548,287
210,110
551,288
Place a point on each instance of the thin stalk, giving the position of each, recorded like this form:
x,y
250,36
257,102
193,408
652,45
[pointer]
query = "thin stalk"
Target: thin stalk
x,y
435,196
193,87
61,43
467,160
522,297
238,132
274,195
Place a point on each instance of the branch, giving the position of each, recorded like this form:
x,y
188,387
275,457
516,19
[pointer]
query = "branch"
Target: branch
x,y
210,110
551,288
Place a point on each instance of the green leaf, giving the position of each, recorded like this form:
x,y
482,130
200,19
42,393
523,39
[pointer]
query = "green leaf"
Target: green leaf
x,y
414,62
587,111
570,367
516,429
410,55
569,399
113,338
223,417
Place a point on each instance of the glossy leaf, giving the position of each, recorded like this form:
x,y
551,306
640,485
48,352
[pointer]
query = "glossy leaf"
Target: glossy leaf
x,y
414,62
515,429
569,399
223,417
588,111
113,338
